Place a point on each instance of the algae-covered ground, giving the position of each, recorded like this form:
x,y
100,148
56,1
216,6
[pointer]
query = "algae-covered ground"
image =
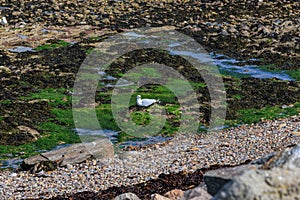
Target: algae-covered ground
x,y
43,100
40,57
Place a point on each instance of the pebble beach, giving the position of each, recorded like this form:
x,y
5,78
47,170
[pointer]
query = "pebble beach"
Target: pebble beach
x,y
184,153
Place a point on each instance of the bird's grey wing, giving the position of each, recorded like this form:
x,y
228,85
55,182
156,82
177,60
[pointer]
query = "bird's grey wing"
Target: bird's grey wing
x,y
148,102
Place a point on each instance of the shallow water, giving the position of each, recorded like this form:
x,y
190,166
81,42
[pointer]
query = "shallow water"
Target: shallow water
x,y
110,134
3,8
13,163
145,141
225,64
120,83
113,137
22,36
21,49
232,65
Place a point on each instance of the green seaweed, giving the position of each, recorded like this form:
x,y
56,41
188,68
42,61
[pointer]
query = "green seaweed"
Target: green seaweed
x,y
249,116
53,45
294,74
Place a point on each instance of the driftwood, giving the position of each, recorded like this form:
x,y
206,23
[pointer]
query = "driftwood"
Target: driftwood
x,y
76,153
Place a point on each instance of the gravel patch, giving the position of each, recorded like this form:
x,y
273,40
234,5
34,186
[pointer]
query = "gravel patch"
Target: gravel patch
x,y
184,153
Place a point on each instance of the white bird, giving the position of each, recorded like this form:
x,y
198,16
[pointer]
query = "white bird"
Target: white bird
x,y
3,21
145,102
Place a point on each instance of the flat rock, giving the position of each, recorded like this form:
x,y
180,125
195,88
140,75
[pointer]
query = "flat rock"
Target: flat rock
x,y
76,153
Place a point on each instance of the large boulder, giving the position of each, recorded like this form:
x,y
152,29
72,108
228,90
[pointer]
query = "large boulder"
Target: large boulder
x,y
76,153
278,178
260,184
216,179
288,159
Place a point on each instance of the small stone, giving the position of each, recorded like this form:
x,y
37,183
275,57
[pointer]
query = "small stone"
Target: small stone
x,y
175,194
197,193
158,197
127,196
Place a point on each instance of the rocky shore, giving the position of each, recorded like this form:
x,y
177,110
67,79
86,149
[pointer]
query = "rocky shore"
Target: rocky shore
x,y
242,29
259,32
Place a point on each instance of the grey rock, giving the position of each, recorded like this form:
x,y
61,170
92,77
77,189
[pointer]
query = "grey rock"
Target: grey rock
x,y
158,197
197,193
289,158
216,179
76,153
263,160
127,196
259,184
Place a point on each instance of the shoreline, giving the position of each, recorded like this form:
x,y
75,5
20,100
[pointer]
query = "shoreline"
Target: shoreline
x,y
182,154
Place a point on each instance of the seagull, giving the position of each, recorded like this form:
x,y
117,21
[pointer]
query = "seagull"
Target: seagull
x,y
3,21
145,102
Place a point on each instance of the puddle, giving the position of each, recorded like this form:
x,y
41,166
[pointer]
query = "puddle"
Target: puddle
x,y
48,12
113,137
120,83
22,36
4,8
13,163
96,134
109,78
203,57
225,64
106,77
21,49
233,66
44,30
145,141
134,35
